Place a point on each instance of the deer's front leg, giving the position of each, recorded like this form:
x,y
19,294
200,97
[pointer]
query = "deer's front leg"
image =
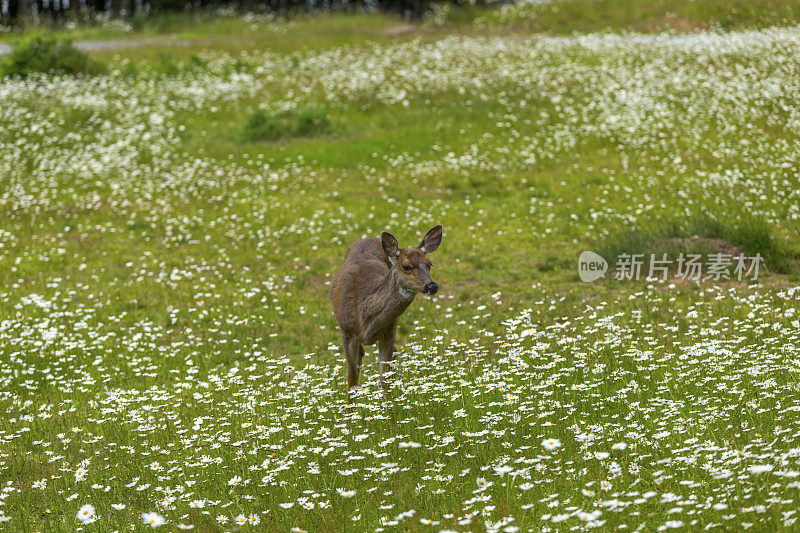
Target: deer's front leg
x,y
386,356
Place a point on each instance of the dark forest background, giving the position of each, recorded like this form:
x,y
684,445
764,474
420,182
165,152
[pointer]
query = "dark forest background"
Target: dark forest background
x,y
18,12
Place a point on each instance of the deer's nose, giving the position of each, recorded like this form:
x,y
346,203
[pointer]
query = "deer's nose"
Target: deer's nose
x,y
431,288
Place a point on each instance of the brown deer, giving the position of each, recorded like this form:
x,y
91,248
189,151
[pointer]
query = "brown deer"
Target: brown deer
x,y
374,286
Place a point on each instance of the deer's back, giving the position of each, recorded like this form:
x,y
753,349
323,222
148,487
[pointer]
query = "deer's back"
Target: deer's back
x,y
366,251
365,266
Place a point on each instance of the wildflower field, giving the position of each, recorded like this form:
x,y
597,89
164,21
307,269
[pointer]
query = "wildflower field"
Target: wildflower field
x,y
169,230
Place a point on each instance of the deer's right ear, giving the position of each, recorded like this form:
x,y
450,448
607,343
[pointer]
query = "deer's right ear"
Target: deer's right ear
x,y
432,240
390,247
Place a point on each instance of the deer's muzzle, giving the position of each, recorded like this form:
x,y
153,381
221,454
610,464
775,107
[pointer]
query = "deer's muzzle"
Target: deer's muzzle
x,y
430,286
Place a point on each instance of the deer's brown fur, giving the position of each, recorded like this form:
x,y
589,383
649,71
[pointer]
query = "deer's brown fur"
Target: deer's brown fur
x,y
374,286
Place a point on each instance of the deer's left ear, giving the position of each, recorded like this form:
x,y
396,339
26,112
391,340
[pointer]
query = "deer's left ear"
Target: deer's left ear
x,y
432,240
390,247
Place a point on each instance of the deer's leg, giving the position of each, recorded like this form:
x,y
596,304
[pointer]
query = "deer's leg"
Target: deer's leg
x,y
386,354
352,351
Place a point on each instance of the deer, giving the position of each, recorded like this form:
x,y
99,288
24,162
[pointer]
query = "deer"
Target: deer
x,y
372,289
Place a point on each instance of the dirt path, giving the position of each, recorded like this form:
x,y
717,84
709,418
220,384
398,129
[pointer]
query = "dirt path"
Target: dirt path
x,y
113,44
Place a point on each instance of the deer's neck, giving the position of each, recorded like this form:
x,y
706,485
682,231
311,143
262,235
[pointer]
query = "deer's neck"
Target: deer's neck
x,y
395,296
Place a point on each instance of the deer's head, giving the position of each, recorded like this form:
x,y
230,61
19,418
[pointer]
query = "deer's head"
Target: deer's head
x,y
412,264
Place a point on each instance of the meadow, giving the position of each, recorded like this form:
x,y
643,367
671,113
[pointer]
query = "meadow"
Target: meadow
x,y
170,227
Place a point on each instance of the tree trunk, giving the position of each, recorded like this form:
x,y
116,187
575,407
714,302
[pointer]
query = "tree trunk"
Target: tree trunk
x,y
24,10
128,7
75,9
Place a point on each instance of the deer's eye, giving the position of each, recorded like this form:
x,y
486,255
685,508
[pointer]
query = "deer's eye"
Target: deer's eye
x,y
407,268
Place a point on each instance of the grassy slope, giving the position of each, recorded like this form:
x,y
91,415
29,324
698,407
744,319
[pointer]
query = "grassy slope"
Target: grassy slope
x,y
365,141
232,33
568,16
117,260
181,35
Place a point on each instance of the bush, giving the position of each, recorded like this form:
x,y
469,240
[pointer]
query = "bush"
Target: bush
x,y
43,54
264,126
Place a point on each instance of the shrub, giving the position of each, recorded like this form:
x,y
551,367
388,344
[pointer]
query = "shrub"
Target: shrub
x,y
43,54
265,126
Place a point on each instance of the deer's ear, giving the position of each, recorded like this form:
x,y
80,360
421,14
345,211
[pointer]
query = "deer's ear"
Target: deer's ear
x,y
390,248
432,240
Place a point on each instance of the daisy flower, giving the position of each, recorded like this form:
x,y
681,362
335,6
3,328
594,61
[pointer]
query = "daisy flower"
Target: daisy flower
x,y
86,514
153,519
551,444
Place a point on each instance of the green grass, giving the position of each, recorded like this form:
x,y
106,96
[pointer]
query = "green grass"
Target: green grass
x,y
282,33
568,16
170,234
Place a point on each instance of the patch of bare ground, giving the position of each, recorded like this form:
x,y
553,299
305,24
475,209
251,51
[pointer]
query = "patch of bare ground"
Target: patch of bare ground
x,y
695,242
399,30
671,21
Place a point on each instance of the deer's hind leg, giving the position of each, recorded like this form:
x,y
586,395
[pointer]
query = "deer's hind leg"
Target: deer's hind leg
x,y
353,352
